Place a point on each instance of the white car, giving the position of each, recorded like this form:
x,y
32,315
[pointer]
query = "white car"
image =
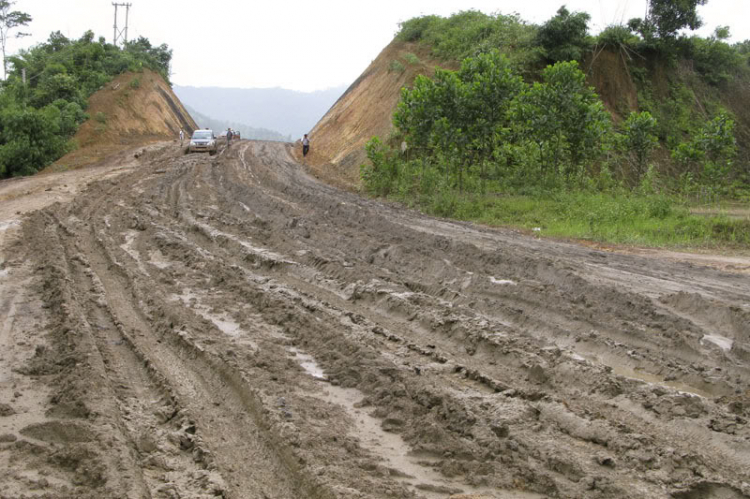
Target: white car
x,y
202,141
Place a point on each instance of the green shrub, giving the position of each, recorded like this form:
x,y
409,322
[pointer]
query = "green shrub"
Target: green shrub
x,y
396,66
639,140
135,83
100,117
469,33
411,59
414,29
617,36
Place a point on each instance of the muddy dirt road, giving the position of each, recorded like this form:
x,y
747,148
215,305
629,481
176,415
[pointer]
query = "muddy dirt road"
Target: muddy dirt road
x,y
230,327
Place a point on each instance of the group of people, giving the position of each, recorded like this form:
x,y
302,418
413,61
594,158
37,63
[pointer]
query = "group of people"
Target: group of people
x,y
230,134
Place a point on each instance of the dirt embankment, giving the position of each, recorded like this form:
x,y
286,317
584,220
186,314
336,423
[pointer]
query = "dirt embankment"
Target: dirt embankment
x,y
364,111
229,326
133,109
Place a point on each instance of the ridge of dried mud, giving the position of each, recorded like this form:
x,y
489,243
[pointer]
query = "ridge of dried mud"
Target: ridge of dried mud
x,y
230,327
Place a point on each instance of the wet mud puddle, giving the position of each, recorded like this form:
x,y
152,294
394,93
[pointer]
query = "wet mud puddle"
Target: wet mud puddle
x,y
409,468
222,321
640,375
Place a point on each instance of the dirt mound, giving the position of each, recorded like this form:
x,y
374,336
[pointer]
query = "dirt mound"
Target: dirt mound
x,y
133,109
365,110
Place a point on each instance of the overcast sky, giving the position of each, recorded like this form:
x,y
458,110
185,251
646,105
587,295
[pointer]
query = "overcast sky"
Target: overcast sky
x,y
304,45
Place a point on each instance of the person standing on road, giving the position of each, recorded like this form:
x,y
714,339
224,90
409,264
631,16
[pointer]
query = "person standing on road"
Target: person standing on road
x,y
182,137
229,135
305,146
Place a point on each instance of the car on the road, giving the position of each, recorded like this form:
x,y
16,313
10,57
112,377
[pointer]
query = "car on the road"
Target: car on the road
x,y
203,141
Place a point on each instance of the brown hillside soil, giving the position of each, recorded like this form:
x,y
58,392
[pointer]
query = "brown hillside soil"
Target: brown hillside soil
x,y
607,72
133,109
364,111
229,326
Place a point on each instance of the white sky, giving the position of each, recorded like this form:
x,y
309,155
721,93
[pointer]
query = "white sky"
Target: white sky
x,y
304,45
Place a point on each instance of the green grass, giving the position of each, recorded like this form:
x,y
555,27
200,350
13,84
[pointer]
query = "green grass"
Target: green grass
x,y
656,221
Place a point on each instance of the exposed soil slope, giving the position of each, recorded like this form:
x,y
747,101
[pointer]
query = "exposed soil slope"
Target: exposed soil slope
x,y
365,110
133,109
229,326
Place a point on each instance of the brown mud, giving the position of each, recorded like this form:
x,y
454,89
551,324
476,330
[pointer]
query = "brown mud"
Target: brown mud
x,y
228,326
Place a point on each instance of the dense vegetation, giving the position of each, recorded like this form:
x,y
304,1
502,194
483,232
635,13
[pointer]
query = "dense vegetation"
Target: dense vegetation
x,y
516,136
38,117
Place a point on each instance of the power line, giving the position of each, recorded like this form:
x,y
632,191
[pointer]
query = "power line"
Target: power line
x,y
121,34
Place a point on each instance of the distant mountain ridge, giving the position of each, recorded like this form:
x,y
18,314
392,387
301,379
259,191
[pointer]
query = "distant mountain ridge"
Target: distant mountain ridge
x,y
247,131
285,111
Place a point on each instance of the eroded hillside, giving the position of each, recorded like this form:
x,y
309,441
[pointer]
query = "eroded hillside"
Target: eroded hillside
x,y
134,109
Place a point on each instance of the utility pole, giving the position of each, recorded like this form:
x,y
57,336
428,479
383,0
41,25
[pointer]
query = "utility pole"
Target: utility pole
x,y
123,33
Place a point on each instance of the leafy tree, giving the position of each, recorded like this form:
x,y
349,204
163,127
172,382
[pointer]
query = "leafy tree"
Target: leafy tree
x,y
709,154
715,59
670,16
563,117
564,37
156,58
617,37
639,140
490,87
667,17
29,138
10,20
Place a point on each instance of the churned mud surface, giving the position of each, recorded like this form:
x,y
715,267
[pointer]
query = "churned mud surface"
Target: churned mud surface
x,y
227,326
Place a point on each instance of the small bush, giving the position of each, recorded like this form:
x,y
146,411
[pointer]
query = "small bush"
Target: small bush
x,y
100,117
413,29
411,59
396,66
617,36
135,83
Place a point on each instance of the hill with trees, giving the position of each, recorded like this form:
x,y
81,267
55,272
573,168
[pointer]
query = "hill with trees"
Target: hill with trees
x,y
44,98
551,128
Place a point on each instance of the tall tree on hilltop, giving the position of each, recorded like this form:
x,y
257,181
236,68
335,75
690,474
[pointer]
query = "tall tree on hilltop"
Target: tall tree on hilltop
x,y
563,37
666,17
9,20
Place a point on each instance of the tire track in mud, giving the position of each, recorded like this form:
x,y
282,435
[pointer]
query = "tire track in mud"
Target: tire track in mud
x,y
218,402
163,437
615,343
506,364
